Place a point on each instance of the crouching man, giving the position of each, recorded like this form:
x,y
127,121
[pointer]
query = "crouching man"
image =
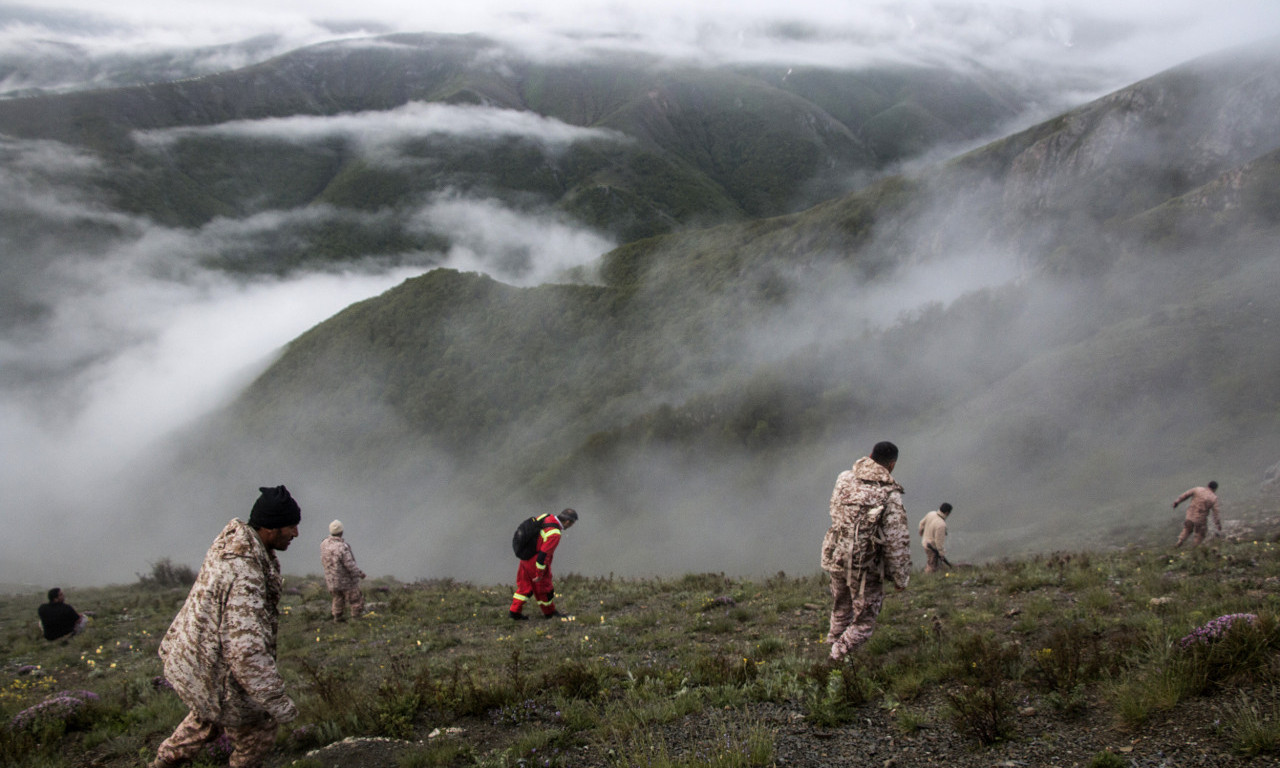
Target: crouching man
x,y
220,652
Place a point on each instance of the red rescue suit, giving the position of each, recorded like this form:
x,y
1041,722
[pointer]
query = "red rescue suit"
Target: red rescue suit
x,y
533,579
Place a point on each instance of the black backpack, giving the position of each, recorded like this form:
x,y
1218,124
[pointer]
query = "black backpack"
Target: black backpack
x,y
525,540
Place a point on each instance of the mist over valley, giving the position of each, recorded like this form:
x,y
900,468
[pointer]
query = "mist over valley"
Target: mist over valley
x,y
436,282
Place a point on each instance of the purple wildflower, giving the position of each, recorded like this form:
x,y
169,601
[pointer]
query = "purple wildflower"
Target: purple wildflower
x,y
1215,630
59,707
220,748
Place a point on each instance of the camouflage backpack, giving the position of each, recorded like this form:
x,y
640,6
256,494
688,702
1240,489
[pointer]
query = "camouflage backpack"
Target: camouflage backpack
x,y
868,544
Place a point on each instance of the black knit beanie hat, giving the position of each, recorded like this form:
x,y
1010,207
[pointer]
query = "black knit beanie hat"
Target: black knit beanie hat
x,y
275,508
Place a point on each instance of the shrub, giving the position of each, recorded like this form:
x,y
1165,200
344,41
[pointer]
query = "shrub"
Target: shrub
x,y
165,574
1068,658
980,705
1107,760
985,713
720,669
834,694
1226,648
58,713
572,679
1216,630
1254,730
467,697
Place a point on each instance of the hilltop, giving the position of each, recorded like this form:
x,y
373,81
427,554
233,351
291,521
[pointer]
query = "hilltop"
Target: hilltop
x,y
1068,659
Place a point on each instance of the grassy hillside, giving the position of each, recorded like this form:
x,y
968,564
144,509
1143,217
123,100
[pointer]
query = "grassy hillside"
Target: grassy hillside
x,y
1078,658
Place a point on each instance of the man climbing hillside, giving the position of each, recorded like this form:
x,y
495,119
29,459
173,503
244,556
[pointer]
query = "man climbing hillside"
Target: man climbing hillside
x,y
933,536
868,541
220,651
1204,500
533,579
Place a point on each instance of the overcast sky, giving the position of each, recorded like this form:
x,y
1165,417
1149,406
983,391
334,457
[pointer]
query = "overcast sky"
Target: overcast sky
x,y
129,313
1121,38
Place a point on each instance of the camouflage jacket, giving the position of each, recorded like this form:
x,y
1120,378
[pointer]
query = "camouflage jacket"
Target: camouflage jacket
x,y
853,544
933,530
340,569
220,651
1203,501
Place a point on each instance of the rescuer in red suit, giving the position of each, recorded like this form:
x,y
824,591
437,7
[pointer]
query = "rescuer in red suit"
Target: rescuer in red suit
x,y
533,579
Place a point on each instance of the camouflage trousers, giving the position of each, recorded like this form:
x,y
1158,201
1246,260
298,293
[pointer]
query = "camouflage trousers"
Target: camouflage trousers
x,y
250,743
1200,529
853,616
342,598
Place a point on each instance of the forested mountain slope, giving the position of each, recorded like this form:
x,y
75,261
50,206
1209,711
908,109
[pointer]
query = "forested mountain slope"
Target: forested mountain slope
x,y
1034,322
663,144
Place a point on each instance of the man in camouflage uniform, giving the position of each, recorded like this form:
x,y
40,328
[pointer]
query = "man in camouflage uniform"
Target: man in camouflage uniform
x,y
1203,501
868,541
341,574
220,652
933,536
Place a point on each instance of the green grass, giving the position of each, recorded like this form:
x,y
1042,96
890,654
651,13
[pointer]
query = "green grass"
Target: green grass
x,y
688,671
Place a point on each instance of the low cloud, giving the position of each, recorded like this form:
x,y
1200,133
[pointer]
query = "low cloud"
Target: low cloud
x,y
380,133
513,246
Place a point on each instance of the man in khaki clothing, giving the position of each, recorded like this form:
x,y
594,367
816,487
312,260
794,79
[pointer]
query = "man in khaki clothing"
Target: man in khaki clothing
x,y
220,652
1204,500
867,542
933,535
341,574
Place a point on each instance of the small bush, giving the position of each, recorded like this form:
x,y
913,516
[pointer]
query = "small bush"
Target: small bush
x,y
985,713
61,712
166,574
980,706
572,679
1107,760
1227,648
1254,730
720,669
1068,658
909,721
768,647
834,694
467,697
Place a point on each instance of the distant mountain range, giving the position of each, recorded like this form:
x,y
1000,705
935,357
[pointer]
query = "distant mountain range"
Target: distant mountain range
x,y
1060,328
675,145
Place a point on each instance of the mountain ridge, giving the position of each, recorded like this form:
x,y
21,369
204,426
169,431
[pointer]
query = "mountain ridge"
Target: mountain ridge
x,y
1025,360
